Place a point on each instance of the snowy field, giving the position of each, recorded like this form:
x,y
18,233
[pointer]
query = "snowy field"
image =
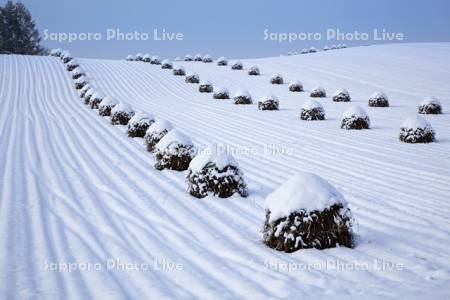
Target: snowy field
x,y
76,191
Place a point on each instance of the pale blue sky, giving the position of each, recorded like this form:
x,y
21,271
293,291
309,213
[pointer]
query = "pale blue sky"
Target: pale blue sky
x,y
234,28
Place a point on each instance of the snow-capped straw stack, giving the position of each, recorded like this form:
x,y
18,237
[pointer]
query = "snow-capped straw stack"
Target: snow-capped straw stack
x,y
174,151
156,132
95,100
378,99
80,82
307,212
139,123
121,114
341,95
318,92
355,118
312,110
221,93
296,86
242,97
192,78
56,52
222,61
237,65
198,57
214,171
166,64
430,105
416,130
72,64
268,102
147,58
84,90
254,71
155,60
77,73
178,71
276,79
66,57
207,58
88,95
104,108
205,87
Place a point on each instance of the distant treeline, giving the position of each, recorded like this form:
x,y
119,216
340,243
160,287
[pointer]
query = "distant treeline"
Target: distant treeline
x,y
18,33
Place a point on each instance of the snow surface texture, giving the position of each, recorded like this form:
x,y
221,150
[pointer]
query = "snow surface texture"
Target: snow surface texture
x,y
76,189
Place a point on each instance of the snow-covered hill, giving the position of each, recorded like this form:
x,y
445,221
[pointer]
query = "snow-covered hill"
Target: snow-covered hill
x,y
76,190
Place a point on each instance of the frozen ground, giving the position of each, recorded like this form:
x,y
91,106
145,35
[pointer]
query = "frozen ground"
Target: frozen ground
x,y
75,189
